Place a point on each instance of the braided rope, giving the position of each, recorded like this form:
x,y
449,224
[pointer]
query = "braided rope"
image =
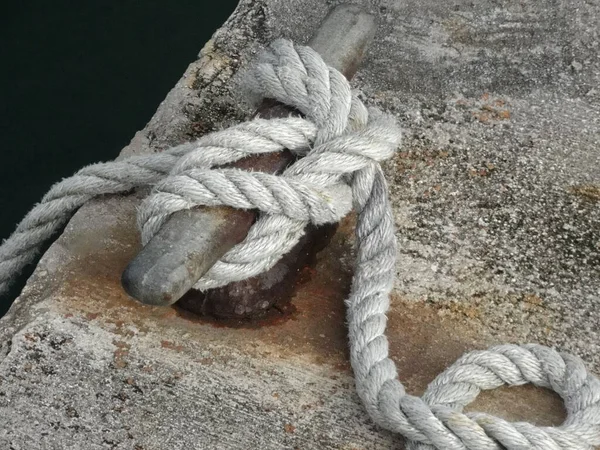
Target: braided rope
x,y
343,145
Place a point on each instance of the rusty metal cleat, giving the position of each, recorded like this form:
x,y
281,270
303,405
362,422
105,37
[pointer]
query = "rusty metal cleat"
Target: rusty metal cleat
x,y
190,242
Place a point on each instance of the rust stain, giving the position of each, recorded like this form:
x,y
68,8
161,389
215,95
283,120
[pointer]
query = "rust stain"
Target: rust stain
x,y
503,114
120,354
424,342
458,30
424,338
486,109
489,113
30,337
277,315
205,361
532,302
485,170
171,345
587,192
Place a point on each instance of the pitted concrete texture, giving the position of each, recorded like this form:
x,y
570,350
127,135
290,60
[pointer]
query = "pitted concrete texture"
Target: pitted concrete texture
x,y
496,193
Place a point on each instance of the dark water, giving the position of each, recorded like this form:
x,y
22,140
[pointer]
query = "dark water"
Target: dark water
x,y
78,79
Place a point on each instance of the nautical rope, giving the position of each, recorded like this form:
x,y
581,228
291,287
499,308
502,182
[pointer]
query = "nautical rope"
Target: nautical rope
x,y
342,145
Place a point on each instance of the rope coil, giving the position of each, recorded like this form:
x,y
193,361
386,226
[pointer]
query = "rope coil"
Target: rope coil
x,y
342,144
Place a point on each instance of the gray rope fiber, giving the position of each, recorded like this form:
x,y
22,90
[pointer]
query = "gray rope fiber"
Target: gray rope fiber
x,y
342,144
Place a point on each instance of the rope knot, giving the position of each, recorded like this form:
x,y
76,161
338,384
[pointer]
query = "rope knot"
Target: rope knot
x,y
337,138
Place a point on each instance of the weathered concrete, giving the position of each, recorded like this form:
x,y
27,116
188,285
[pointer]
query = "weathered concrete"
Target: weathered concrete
x,y
497,199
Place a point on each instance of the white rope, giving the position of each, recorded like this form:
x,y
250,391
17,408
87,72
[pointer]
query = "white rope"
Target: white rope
x,y
342,146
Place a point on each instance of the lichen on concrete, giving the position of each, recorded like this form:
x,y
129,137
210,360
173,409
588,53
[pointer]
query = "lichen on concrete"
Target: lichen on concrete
x,y
496,198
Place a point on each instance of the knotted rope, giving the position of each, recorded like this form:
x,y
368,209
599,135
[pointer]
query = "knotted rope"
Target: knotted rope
x,y
342,145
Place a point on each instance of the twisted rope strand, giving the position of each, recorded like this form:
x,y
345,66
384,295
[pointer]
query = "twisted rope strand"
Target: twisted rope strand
x,y
65,197
342,144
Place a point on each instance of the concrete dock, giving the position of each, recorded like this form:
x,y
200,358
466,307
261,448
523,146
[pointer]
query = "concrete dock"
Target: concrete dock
x,y
496,194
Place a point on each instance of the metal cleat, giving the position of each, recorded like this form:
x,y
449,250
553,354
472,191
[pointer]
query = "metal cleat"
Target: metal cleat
x,y
190,242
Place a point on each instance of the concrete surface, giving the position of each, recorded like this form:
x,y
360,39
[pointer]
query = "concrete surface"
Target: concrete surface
x,y
497,199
